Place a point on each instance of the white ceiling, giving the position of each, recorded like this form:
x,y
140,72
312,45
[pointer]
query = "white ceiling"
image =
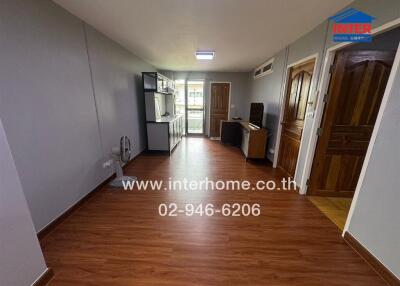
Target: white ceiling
x,y
166,33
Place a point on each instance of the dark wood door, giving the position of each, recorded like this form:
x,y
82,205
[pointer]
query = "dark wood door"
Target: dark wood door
x,y
219,107
298,90
355,93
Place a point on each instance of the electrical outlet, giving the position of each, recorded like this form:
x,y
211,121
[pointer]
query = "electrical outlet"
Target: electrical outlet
x,y
107,164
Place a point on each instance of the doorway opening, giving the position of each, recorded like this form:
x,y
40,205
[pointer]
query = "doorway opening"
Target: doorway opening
x,y
358,80
180,100
189,102
294,112
195,107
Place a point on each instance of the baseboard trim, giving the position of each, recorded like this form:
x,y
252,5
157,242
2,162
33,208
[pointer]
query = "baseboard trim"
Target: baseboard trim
x,y
58,220
68,212
379,268
45,278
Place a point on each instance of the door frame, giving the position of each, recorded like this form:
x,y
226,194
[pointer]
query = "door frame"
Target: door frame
x,y
186,108
283,100
319,110
209,105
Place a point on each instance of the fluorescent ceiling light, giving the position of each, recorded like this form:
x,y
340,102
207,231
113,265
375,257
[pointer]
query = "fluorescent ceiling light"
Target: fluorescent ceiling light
x,y
204,55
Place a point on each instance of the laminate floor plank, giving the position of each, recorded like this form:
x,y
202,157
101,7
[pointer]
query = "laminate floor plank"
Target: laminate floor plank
x,y
117,237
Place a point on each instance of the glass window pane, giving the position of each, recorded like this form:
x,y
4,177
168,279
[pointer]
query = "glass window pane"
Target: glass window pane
x,y
195,121
304,92
195,95
195,100
180,99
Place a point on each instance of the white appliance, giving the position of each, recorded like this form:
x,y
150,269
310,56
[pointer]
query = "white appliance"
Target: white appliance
x,y
121,156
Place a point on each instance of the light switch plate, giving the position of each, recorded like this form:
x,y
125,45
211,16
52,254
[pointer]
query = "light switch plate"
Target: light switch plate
x,y
310,114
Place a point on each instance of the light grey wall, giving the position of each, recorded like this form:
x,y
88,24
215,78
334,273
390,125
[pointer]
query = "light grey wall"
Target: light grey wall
x,y
118,91
267,90
239,90
21,259
48,106
387,41
376,219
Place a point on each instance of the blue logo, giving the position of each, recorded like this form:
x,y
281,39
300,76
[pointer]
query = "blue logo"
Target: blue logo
x,y
352,25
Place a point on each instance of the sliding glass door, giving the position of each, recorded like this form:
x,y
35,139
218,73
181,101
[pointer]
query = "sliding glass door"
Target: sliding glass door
x,y
195,107
189,102
180,100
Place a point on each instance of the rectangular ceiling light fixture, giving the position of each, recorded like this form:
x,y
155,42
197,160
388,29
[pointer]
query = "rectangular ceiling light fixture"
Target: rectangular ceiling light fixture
x,y
202,55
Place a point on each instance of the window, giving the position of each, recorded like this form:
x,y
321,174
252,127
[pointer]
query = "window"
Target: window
x,y
189,102
180,106
195,107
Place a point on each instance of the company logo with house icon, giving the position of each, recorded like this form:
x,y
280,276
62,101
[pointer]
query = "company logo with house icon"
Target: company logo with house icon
x,y
352,25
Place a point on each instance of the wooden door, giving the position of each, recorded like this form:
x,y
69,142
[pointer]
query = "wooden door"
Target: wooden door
x,y
355,93
219,107
298,90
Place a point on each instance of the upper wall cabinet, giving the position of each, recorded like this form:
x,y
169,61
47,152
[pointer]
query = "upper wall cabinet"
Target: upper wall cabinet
x,y
156,82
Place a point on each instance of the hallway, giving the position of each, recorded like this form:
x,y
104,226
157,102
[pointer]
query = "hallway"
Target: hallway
x,y
118,237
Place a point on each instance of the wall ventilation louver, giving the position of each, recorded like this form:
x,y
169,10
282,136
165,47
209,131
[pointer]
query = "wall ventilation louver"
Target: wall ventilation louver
x,y
264,69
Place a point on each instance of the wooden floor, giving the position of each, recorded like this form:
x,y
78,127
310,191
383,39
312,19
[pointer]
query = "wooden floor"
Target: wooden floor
x,y
335,208
118,238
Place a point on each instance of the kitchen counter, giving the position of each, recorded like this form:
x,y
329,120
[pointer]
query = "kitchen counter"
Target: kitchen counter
x,y
165,133
167,119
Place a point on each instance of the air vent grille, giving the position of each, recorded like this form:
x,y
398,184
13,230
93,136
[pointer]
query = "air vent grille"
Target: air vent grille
x,y
264,69
267,68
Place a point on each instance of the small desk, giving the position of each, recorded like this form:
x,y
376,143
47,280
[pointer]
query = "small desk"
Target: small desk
x,y
249,137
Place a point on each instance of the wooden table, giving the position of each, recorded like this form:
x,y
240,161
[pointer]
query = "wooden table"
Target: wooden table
x,y
249,137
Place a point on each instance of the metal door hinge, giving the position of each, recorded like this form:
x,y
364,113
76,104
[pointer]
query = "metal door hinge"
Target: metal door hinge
x,y
326,97
319,131
308,182
331,69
